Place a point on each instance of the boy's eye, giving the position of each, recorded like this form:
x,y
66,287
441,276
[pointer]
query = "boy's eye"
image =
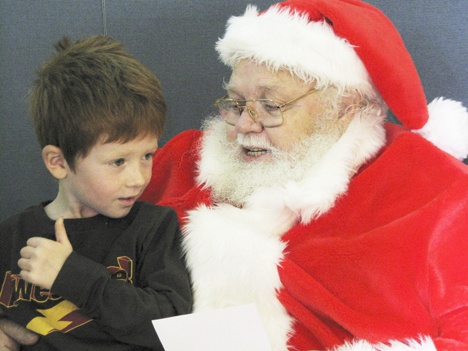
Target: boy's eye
x,y
148,156
118,162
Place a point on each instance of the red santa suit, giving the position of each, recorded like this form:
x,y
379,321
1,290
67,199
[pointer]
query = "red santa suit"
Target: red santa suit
x,y
369,250
386,262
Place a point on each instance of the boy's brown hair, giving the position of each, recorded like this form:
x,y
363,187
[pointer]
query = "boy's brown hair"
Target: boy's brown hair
x,y
93,89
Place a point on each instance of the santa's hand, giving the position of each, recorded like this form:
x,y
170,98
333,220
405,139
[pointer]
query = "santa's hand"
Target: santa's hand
x,y
42,259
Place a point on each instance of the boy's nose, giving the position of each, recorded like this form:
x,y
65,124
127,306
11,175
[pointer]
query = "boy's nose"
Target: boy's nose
x,y
137,177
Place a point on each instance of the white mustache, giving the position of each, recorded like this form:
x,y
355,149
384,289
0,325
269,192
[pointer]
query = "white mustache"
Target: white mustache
x,y
252,141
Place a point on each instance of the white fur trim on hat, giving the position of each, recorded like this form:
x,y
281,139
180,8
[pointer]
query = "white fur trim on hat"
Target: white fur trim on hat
x,y
315,54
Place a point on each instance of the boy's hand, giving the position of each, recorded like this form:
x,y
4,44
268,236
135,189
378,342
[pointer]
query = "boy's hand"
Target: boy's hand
x,y
13,335
41,259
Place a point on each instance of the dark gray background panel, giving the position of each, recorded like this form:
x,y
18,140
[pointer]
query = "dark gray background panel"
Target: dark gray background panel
x,y
175,39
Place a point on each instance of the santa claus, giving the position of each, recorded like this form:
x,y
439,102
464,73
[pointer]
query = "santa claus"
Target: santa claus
x,y
348,233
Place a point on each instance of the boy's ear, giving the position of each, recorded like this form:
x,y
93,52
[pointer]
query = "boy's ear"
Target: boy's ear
x,y
55,161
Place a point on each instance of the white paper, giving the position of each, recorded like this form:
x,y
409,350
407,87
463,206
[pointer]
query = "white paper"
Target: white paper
x,y
230,329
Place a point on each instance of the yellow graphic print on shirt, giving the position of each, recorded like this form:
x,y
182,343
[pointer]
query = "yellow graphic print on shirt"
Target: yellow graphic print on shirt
x,y
65,315
61,317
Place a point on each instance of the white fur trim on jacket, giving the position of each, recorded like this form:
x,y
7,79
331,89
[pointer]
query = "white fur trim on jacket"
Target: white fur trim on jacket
x,y
424,344
233,261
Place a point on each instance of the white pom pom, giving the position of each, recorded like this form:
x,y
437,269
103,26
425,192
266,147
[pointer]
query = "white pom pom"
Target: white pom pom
x,y
447,127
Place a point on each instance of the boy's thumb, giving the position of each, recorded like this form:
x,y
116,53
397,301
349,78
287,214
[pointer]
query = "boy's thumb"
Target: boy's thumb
x,y
60,232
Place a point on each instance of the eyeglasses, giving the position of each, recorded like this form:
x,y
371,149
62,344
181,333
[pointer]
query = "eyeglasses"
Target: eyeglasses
x,y
268,112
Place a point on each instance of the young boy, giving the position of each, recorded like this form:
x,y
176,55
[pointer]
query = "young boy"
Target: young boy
x,y
95,280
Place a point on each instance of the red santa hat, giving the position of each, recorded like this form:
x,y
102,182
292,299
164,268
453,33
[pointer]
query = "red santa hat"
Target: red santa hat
x,y
350,44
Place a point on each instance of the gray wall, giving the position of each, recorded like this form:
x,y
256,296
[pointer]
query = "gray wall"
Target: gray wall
x,y
175,39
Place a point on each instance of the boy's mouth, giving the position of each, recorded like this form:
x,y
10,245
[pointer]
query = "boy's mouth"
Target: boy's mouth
x,y
128,201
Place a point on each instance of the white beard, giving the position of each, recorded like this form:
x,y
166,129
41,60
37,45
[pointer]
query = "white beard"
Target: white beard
x,y
232,252
237,179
